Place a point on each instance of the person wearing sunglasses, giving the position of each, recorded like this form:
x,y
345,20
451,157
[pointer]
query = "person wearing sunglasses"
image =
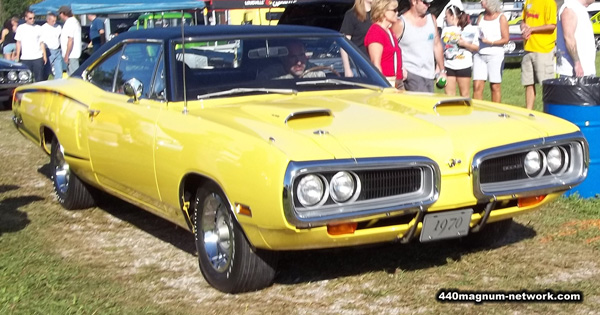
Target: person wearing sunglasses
x,y
30,49
422,51
381,43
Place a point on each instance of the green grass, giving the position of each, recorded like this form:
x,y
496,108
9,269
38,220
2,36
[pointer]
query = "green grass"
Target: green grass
x,y
35,280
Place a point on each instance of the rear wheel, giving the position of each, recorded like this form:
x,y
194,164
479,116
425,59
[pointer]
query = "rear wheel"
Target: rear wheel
x,y
491,234
71,192
226,259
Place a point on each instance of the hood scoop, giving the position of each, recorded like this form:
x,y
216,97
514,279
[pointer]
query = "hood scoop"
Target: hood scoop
x,y
453,106
307,114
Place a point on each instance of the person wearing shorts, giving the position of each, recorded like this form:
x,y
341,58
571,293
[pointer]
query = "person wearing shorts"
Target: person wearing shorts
x,y
422,51
9,44
539,34
488,63
460,40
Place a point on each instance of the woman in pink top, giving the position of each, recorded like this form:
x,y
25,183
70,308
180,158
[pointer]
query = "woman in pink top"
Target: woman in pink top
x,y
381,43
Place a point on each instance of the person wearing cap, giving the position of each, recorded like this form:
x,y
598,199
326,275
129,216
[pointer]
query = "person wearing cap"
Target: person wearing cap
x,y
422,51
70,39
30,50
96,31
51,40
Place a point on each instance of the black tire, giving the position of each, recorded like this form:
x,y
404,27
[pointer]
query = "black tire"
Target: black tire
x,y
226,259
70,191
491,234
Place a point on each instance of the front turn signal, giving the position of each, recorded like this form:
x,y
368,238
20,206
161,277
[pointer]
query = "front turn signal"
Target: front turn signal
x,y
530,201
340,229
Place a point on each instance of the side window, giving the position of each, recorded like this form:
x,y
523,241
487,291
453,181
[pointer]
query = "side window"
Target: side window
x,y
103,75
138,61
158,88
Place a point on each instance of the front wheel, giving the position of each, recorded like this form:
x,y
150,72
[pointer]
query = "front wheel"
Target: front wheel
x,y
70,191
226,259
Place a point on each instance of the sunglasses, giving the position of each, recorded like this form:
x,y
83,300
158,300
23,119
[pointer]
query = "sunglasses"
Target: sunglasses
x,y
29,18
393,10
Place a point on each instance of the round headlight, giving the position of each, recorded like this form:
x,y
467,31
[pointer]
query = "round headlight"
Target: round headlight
x,y
557,160
12,76
310,190
533,163
509,47
24,75
342,186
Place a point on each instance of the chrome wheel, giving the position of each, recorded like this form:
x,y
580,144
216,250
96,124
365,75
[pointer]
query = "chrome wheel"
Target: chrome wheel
x,y
217,233
61,171
226,259
70,191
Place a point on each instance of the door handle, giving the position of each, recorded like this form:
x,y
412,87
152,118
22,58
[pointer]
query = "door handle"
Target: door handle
x,y
93,113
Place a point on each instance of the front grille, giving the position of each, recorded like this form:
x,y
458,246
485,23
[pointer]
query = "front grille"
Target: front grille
x,y
510,167
503,168
385,183
382,185
519,45
501,171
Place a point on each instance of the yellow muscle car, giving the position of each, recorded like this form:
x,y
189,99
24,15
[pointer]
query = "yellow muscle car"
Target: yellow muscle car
x,y
596,28
262,139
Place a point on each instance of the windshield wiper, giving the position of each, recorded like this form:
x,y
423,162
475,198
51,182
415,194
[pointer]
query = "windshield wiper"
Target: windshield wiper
x,y
247,90
341,82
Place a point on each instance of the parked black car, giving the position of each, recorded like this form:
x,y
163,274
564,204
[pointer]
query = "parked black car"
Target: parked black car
x,y
12,74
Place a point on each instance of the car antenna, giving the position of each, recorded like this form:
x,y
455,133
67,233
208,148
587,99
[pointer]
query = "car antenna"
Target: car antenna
x,y
185,110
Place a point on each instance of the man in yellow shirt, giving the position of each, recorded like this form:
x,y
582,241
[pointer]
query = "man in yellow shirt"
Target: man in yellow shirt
x,y
539,34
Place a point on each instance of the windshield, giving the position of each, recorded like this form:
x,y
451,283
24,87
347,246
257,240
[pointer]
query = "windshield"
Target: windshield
x,y
263,65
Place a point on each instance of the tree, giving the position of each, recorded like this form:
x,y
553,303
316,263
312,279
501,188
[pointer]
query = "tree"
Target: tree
x,y
9,8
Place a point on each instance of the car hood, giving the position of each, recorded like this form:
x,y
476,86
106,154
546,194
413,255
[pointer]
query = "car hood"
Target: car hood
x,y
7,64
362,124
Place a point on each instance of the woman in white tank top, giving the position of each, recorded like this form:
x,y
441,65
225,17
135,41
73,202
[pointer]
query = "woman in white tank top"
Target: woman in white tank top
x,y
488,63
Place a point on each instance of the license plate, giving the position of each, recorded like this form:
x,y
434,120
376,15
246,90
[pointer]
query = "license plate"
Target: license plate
x,y
437,226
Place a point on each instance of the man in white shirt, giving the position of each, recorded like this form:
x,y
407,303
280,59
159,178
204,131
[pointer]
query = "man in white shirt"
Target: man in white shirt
x,y
70,39
51,39
575,40
30,50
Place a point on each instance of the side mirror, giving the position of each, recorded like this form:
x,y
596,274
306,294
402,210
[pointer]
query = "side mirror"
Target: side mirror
x,y
133,88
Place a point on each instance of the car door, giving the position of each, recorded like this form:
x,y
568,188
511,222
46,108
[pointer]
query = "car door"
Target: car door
x,y
122,129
